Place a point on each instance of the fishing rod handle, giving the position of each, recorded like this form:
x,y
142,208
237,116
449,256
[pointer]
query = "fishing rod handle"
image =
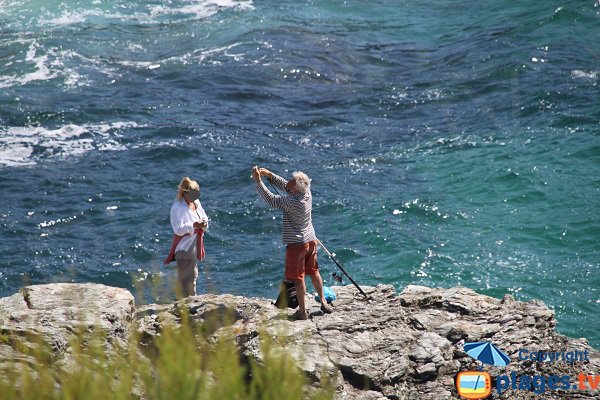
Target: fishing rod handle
x,y
325,248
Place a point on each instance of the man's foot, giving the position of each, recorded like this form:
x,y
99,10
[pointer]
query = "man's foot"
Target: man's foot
x,y
300,315
326,308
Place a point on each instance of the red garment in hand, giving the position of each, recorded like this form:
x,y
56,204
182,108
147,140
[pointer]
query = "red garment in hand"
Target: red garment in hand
x,y
176,239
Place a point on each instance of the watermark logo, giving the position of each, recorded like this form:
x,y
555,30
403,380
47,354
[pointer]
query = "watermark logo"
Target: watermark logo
x,y
477,385
474,385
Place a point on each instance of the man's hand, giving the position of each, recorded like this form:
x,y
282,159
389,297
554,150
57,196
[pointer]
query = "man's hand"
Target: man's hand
x,y
265,172
256,174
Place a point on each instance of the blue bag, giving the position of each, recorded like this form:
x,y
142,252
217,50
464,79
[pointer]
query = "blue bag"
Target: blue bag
x,y
328,293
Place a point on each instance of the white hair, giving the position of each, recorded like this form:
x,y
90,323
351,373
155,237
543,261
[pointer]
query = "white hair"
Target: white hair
x,y
302,181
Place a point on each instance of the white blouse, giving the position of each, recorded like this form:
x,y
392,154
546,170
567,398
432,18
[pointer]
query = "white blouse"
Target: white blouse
x,y
182,221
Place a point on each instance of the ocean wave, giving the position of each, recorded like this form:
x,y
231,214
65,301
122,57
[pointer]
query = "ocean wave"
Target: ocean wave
x,y
576,73
64,64
34,61
459,142
24,146
199,9
73,17
202,55
196,56
45,64
5,5
420,208
142,13
217,55
42,70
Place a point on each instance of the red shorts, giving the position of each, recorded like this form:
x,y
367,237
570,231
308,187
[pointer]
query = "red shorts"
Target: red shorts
x,y
300,260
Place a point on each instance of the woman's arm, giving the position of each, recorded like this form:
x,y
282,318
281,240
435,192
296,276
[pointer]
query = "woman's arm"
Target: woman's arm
x,y
180,224
202,215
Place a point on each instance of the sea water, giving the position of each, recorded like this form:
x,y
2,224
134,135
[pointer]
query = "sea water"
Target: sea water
x,y
449,143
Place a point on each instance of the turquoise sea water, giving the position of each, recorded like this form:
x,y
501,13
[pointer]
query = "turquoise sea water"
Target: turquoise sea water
x,y
449,142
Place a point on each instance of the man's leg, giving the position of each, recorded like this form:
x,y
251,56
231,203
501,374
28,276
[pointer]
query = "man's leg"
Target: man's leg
x,y
318,284
294,270
301,294
312,268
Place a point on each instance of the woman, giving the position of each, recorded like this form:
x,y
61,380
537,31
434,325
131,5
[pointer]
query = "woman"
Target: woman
x,y
189,221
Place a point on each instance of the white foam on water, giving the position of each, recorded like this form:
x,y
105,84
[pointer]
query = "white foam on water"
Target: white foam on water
x,y
200,9
78,16
147,14
576,73
182,59
67,18
135,47
17,144
42,70
53,63
137,64
204,54
70,69
15,155
97,63
5,5
188,9
74,79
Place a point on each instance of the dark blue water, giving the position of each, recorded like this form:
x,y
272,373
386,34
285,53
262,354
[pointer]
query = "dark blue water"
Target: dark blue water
x,y
449,143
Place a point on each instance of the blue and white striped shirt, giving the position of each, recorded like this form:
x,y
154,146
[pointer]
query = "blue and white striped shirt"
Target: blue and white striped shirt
x,y
297,211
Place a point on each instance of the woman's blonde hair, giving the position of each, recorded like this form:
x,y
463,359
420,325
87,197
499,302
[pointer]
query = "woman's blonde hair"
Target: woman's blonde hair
x,y
185,185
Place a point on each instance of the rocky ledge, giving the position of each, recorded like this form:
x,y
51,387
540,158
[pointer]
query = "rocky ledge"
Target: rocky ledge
x,y
392,346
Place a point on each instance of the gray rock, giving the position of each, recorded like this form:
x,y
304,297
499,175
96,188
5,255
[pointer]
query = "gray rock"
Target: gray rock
x,y
406,346
54,313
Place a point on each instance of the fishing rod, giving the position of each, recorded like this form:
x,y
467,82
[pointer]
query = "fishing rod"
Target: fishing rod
x,y
331,255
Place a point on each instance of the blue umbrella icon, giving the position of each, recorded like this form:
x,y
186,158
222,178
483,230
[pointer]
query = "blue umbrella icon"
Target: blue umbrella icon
x,y
487,353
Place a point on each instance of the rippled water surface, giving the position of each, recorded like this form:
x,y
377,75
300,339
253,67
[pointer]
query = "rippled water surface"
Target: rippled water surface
x,y
449,142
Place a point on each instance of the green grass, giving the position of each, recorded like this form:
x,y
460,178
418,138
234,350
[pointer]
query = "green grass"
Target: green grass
x,y
184,362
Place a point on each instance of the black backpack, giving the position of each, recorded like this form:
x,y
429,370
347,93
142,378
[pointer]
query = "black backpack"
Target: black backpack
x,y
287,295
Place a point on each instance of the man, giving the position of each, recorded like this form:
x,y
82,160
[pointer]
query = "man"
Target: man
x,y
298,232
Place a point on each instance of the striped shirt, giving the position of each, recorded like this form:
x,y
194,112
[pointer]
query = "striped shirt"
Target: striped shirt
x,y
297,211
